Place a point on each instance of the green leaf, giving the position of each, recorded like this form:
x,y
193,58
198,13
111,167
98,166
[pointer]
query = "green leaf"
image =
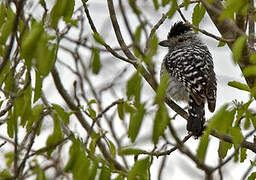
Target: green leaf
x,y
98,38
38,87
30,41
93,101
11,123
62,8
137,37
78,164
55,137
129,108
247,122
198,14
221,44
20,105
160,122
253,58
165,2
154,44
42,3
45,55
222,120
243,154
104,174
26,117
253,163
160,92
9,156
2,14
95,59
33,116
61,113
40,175
202,148
133,87
152,51
135,122
120,110
239,85
6,28
156,4
119,177
92,112
93,171
232,7
130,151
112,148
9,84
173,9
237,48
237,136
223,149
137,34
140,170
5,174
252,176
249,71
186,3
94,140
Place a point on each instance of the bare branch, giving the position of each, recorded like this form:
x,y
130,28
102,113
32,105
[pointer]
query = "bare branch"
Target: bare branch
x,y
116,27
227,138
204,31
82,120
105,45
251,24
186,151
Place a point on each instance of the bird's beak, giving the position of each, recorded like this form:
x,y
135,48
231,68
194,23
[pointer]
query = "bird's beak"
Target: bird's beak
x,y
164,43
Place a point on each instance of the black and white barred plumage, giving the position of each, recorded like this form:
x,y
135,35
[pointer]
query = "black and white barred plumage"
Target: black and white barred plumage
x,y
191,76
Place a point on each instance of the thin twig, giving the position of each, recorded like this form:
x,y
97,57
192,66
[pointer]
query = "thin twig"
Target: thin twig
x,y
117,30
204,31
186,151
104,44
33,135
82,120
227,138
1,145
83,44
249,169
251,15
220,169
153,31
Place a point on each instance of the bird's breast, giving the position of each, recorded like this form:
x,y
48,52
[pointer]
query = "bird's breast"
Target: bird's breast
x,y
175,89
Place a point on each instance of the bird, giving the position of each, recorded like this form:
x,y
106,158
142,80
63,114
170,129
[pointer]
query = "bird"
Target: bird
x,y
191,77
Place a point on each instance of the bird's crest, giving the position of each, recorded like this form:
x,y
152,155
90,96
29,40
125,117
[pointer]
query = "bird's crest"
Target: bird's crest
x,y
178,29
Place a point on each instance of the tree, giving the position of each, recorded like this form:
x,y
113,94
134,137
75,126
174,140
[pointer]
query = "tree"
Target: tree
x,y
75,99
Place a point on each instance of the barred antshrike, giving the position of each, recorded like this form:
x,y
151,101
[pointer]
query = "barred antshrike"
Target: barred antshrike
x,y
191,77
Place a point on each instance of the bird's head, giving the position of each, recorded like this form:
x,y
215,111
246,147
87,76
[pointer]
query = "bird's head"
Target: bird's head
x,y
180,34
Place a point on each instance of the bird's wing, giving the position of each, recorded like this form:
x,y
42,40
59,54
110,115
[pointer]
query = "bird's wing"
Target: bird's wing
x,y
193,68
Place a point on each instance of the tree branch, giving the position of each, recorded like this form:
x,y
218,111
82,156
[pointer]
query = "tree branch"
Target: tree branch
x,y
82,120
229,30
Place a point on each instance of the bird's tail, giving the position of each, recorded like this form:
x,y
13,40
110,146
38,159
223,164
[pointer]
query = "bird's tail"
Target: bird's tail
x,y
196,118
